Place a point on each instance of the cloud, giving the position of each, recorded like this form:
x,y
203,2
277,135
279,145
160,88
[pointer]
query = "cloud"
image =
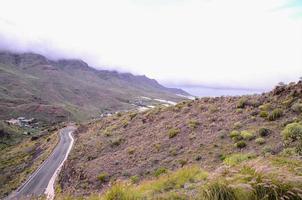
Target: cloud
x,y
235,43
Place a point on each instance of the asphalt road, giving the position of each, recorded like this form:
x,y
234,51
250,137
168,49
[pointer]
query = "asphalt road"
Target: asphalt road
x,y
38,181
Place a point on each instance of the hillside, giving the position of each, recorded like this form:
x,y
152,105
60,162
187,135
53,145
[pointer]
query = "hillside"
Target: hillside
x,y
33,86
246,147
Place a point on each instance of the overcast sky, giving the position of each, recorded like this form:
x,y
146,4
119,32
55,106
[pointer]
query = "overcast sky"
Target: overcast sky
x,y
235,43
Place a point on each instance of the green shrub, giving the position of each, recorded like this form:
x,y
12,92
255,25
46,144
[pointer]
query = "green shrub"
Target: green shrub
x,y
265,107
240,144
242,102
263,114
159,171
234,134
292,131
213,109
288,152
131,150
172,132
134,179
217,191
120,192
116,141
297,107
237,125
173,180
247,135
132,115
239,110
260,140
237,158
103,177
193,124
275,114
263,132
287,102
266,149
183,162
125,123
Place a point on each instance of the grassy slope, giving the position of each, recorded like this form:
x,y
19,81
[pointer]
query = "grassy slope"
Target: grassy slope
x,y
21,155
141,145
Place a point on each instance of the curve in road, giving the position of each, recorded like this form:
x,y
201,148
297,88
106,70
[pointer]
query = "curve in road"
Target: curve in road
x,y
45,175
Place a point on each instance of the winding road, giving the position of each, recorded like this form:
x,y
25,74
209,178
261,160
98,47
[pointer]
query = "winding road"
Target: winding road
x,y
42,180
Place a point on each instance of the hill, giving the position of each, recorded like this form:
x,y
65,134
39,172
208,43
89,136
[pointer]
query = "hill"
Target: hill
x,y
246,147
33,86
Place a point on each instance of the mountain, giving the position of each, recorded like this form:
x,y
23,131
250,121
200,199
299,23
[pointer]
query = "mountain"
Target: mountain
x,y
33,86
246,147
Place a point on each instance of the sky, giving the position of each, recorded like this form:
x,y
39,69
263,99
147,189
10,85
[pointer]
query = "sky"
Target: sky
x,y
219,43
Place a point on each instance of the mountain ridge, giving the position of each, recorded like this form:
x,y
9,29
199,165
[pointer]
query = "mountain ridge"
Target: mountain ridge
x,y
32,84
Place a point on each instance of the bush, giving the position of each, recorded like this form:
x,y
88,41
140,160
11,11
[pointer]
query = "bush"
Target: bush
x,y
120,192
234,134
173,180
134,179
247,135
275,114
240,144
297,107
183,162
173,132
213,109
116,141
237,125
288,152
242,103
131,150
263,114
265,107
260,140
263,132
103,177
292,131
217,191
160,171
193,124
237,158
266,149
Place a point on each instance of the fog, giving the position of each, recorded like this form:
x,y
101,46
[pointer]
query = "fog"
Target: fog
x,y
216,43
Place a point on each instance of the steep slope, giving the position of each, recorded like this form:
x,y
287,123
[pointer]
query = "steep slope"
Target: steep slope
x,y
207,132
33,86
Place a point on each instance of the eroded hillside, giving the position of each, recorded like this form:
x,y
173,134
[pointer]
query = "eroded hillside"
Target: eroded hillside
x,y
207,132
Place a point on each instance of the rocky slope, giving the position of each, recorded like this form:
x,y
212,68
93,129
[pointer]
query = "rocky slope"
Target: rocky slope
x,y
215,134
33,86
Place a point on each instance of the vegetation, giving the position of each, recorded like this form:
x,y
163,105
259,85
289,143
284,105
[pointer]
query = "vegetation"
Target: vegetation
x,y
235,159
234,134
275,114
21,158
240,144
159,171
246,135
173,132
193,124
239,166
103,177
263,132
297,107
263,114
260,140
292,131
242,103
